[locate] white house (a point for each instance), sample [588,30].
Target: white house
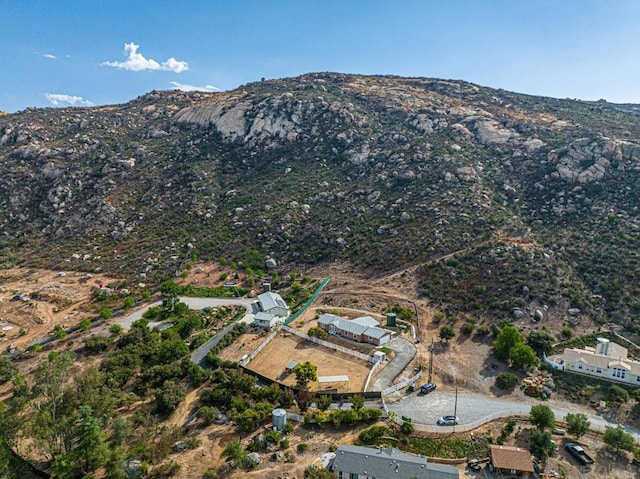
[266,320]
[368,463]
[273,303]
[607,361]
[364,329]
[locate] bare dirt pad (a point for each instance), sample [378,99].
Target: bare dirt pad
[283,349]
[64,298]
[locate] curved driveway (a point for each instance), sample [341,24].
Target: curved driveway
[426,409]
[405,352]
[195,303]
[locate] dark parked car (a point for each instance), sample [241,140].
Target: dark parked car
[578,453]
[427,388]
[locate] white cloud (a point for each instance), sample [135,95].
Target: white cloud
[49,55]
[59,99]
[185,87]
[137,62]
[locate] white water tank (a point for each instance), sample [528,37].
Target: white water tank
[279,419]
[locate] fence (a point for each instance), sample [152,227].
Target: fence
[401,384]
[293,317]
[295,417]
[375,366]
[464,427]
[327,344]
[552,364]
[255,352]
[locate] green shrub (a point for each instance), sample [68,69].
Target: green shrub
[507,381]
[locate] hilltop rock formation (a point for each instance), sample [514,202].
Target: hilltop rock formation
[378,171]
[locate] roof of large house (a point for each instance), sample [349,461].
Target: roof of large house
[390,462]
[270,300]
[605,355]
[512,458]
[363,325]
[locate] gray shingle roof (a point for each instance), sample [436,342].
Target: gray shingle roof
[271,300]
[390,462]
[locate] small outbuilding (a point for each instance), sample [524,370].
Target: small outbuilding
[265,320]
[511,461]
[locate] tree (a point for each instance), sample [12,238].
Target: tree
[116,464]
[541,444]
[447,332]
[234,452]
[577,424]
[542,417]
[617,438]
[91,448]
[128,303]
[506,381]
[617,395]
[106,313]
[357,402]
[170,291]
[7,369]
[540,342]
[506,339]
[522,357]
[305,372]
[85,324]
[169,396]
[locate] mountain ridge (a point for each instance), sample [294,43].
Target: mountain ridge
[378,171]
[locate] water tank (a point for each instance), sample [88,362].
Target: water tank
[391,319]
[279,419]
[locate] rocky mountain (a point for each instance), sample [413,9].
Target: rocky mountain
[505,200]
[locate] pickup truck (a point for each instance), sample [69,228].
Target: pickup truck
[576,451]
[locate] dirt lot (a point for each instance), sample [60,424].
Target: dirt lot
[286,347]
[49,299]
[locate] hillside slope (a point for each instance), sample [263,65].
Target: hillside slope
[529,200]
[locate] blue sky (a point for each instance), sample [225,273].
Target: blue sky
[87,52]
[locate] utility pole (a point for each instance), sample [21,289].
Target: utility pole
[431,360]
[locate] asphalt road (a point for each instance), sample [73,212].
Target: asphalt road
[426,409]
[405,351]
[200,354]
[196,303]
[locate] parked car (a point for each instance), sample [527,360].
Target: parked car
[448,421]
[427,388]
[579,454]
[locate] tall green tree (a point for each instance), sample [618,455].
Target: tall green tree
[447,333]
[542,417]
[506,339]
[522,357]
[617,438]
[91,448]
[577,424]
[540,341]
[541,444]
[305,372]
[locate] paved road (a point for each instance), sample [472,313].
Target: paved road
[195,303]
[405,352]
[198,356]
[426,409]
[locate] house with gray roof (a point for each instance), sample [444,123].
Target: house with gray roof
[363,330]
[272,303]
[370,463]
[607,360]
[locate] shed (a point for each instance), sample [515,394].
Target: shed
[511,460]
[265,320]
